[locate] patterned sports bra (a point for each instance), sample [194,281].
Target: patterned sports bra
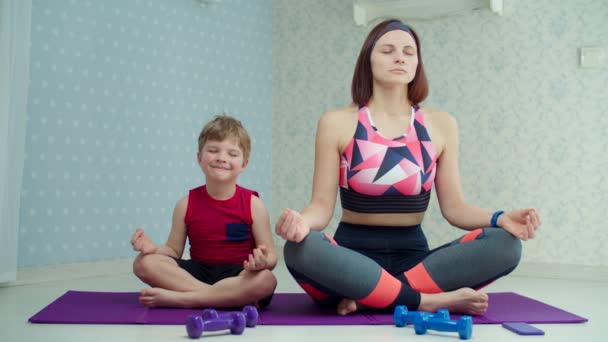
[382,175]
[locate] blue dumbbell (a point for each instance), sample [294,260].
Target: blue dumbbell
[403,317]
[250,312]
[195,325]
[464,326]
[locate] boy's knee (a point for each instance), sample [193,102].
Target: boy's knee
[264,284]
[141,266]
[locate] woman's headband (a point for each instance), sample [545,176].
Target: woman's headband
[392,26]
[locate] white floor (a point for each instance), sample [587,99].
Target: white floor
[38,287]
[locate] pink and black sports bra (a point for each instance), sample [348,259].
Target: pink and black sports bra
[382,175]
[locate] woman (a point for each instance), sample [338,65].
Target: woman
[384,153]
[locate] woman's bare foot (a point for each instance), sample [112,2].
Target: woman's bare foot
[464,300]
[157,297]
[347,306]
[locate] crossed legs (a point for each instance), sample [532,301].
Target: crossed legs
[172,286]
[447,278]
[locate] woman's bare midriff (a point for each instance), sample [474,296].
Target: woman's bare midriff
[396,220]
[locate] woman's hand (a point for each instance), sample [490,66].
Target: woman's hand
[522,223]
[291,226]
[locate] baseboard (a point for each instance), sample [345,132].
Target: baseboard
[50,273]
[562,271]
[42,274]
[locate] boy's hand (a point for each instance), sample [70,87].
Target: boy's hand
[258,259]
[142,243]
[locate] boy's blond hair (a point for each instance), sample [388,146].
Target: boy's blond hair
[224,126]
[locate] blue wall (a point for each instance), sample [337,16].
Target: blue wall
[119,92]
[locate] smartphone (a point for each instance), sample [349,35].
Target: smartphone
[522,328]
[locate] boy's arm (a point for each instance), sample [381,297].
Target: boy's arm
[262,233]
[177,237]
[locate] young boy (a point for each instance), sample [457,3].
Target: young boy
[231,246]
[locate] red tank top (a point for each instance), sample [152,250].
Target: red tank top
[219,231]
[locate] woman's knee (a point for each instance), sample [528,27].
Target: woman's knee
[509,246]
[304,252]
[288,251]
[293,256]
[293,250]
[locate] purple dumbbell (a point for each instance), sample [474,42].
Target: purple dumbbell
[464,326]
[196,325]
[250,312]
[403,317]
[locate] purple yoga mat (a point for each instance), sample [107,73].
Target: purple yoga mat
[511,307]
[75,307]
[300,309]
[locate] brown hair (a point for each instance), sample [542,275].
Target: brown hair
[362,86]
[224,126]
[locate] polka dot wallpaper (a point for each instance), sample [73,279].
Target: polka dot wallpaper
[119,91]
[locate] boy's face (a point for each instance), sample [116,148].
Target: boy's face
[221,160]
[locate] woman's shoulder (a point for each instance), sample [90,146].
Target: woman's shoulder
[341,113]
[339,117]
[438,118]
[441,125]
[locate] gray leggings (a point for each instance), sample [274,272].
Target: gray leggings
[381,267]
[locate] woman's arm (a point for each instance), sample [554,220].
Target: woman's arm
[320,209]
[522,223]
[447,181]
[294,226]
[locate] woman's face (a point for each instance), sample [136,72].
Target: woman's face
[394,58]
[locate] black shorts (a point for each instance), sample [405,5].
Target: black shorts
[211,273]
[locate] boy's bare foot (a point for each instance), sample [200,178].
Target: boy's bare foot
[157,297]
[347,306]
[464,300]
